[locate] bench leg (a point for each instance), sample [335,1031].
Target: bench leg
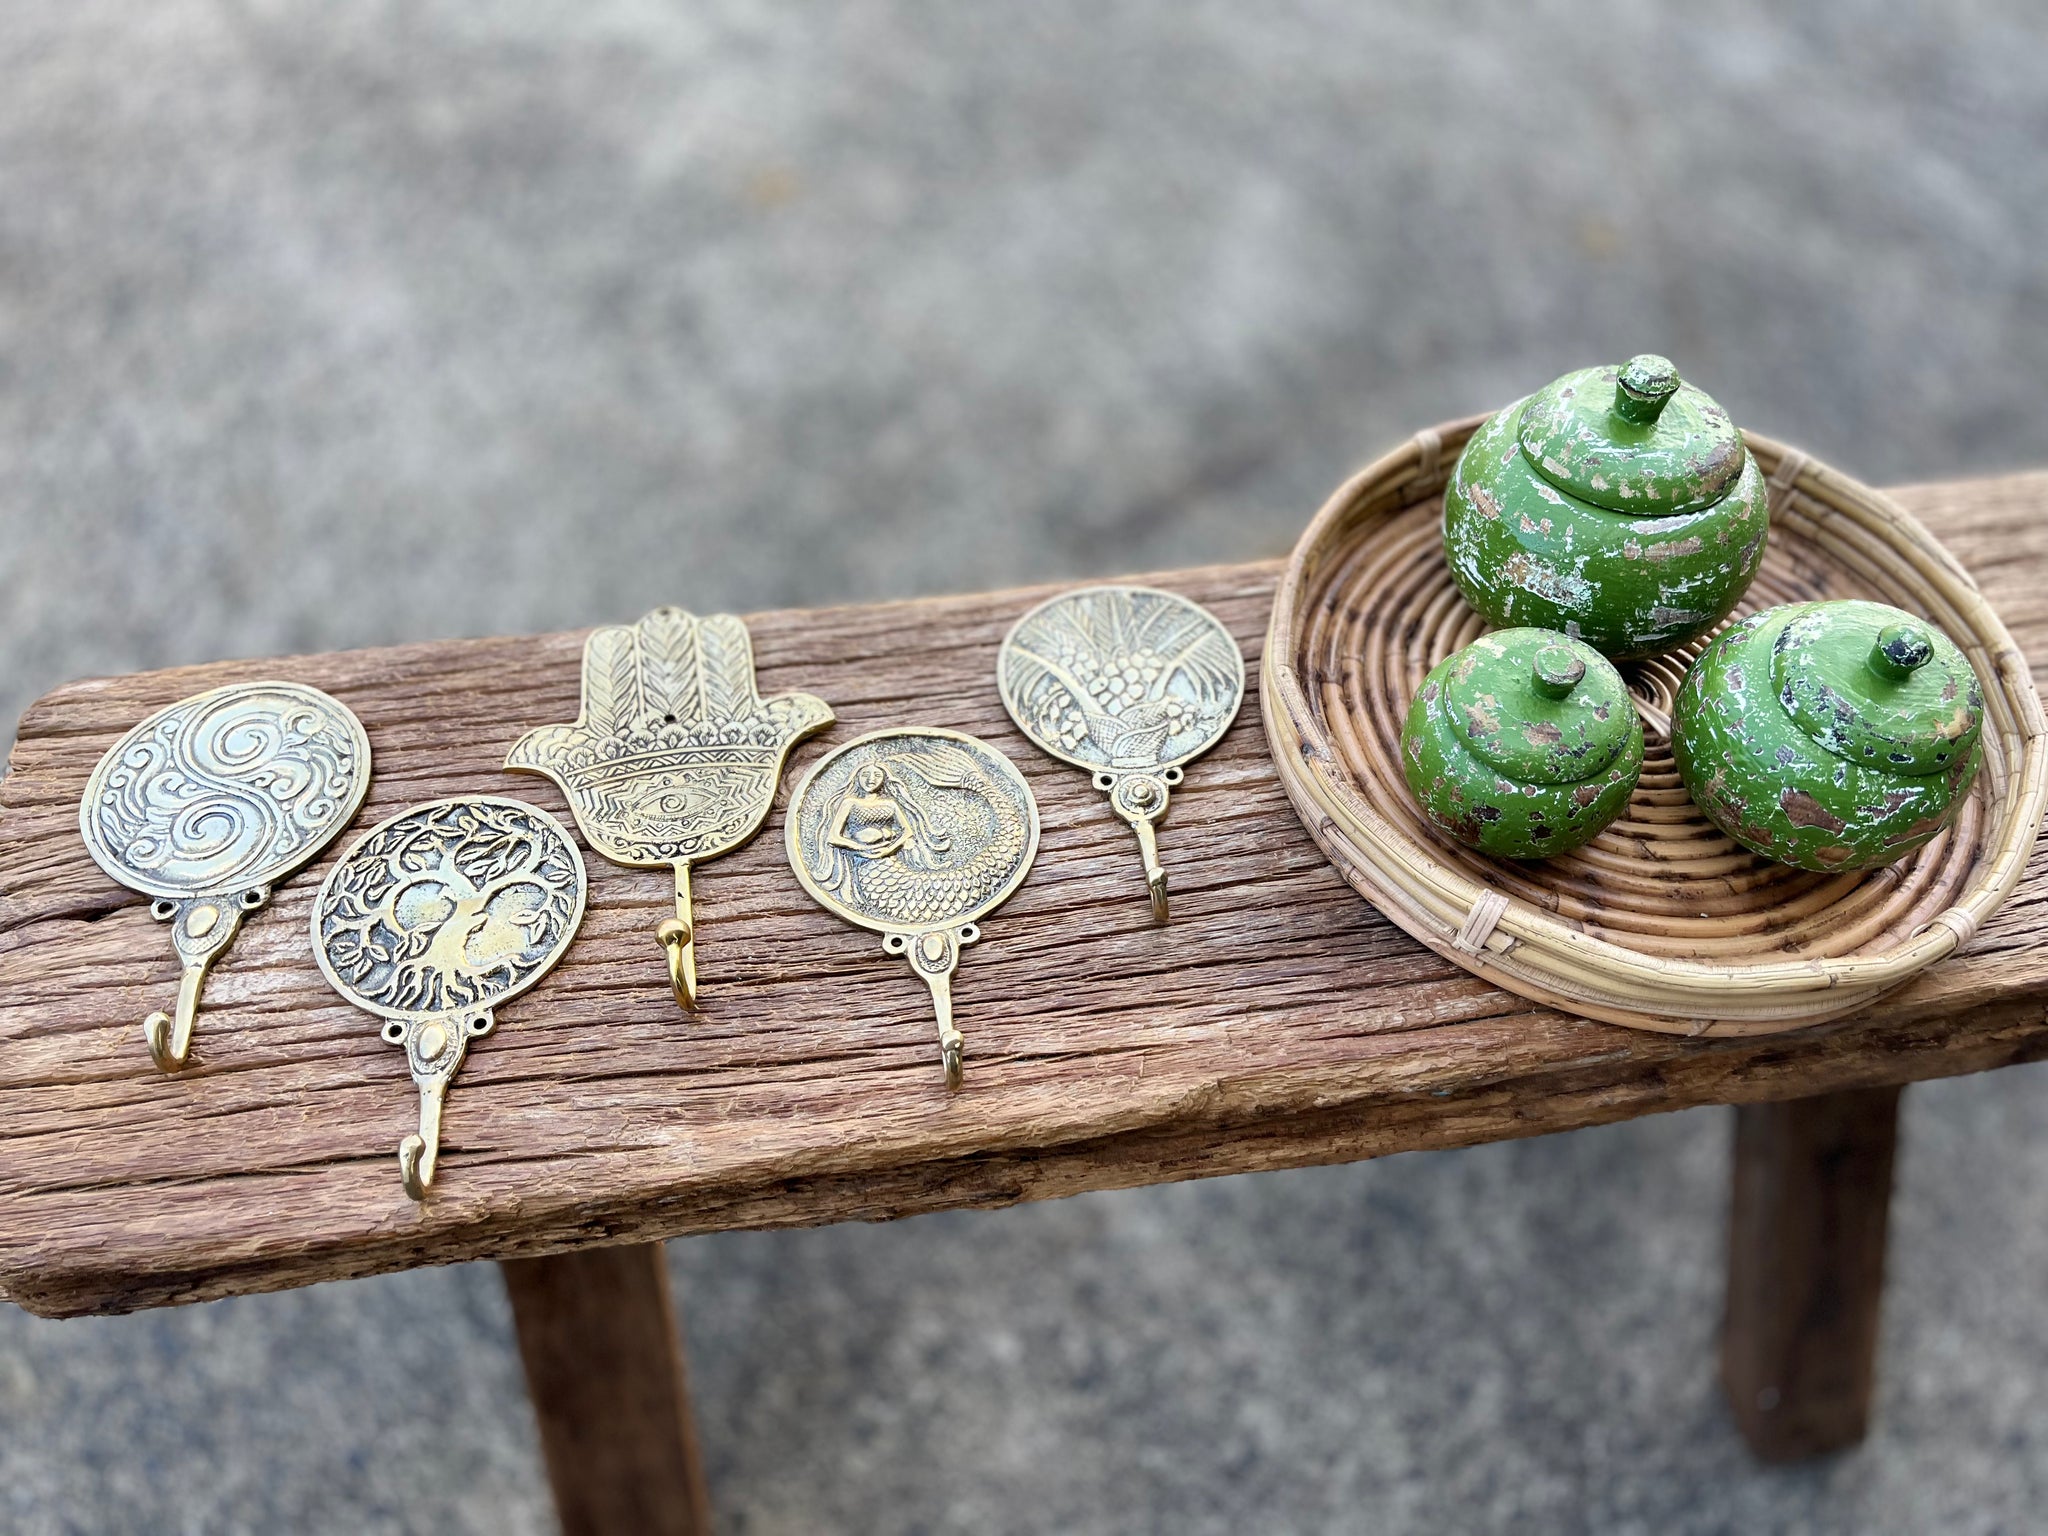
[1813,1186]
[604,1366]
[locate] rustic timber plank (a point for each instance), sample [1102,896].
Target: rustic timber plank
[1278,1021]
[1813,1194]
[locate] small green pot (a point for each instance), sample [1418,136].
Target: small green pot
[1523,744]
[1832,736]
[1618,505]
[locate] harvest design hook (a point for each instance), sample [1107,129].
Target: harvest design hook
[1130,683]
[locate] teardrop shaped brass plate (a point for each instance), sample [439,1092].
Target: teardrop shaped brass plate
[209,803]
[915,832]
[1131,683]
[434,919]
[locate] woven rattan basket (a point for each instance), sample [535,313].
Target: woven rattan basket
[1661,922]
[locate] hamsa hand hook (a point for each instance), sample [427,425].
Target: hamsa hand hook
[675,756]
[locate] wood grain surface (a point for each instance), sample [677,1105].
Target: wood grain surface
[1278,1021]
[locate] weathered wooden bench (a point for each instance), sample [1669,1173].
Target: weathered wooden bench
[1277,1022]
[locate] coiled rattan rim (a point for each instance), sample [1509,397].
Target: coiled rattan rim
[1661,923]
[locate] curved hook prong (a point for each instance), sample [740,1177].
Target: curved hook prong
[933,956]
[411,1152]
[1140,799]
[201,927]
[675,937]
[417,1152]
[678,935]
[170,1035]
[1155,872]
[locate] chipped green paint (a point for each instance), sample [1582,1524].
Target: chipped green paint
[1523,744]
[1833,736]
[1619,505]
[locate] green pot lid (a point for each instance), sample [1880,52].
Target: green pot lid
[1632,439]
[1877,686]
[1538,708]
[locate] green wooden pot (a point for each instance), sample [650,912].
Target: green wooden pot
[1832,736]
[1523,744]
[1618,505]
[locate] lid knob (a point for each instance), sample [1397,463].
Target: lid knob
[1646,383]
[1901,650]
[1556,672]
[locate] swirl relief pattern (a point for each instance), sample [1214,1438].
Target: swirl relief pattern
[227,790]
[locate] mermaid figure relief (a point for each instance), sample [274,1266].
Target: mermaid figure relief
[918,838]
[869,822]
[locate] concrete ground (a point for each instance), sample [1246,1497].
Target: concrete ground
[327,325]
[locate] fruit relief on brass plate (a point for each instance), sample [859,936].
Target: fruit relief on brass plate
[433,920]
[208,804]
[675,756]
[917,833]
[1131,683]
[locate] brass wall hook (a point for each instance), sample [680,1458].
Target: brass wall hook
[1140,799]
[675,935]
[208,803]
[1131,683]
[435,918]
[916,833]
[935,955]
[434,1048]
[675,756]
[201,930]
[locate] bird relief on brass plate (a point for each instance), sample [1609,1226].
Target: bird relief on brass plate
[917,833]
[209,803]
[1131,683]
[675,756]
[433,920]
